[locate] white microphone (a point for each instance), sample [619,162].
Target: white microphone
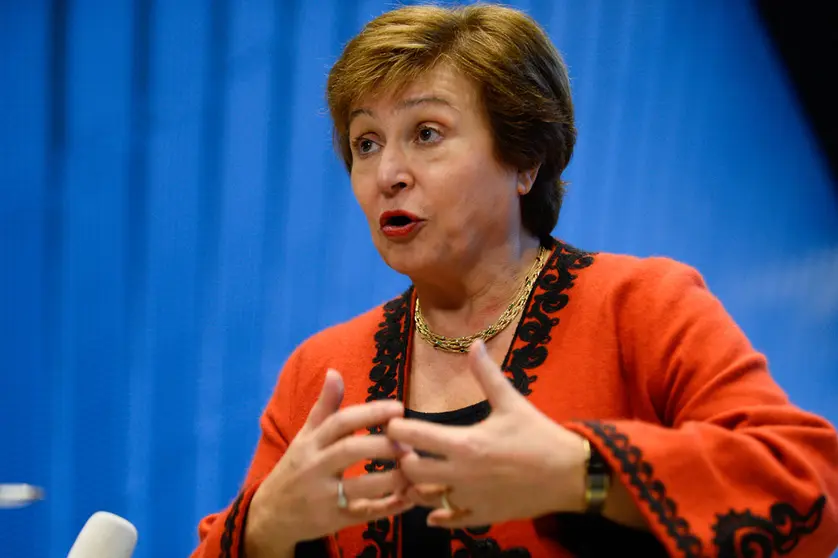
[105,535]
[19,495]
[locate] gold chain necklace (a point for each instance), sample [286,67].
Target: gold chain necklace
[462,344]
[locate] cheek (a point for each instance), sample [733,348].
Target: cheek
[364,191]
[476,186]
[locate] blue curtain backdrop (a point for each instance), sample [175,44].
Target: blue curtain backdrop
[173,222]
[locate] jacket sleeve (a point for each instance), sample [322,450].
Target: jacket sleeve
[729,467]
[221,534]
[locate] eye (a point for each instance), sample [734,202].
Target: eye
[364,146]
[426,134]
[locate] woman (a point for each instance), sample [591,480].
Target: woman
[607,405]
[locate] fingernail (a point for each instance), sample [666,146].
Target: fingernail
[335,374]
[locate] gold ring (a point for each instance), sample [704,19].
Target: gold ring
[451,508]
[445,503]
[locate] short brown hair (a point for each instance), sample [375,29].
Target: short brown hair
[522,79]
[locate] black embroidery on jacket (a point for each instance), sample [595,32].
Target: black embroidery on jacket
[548,297]
[742,534]
[483,547]
[387,374]
[387,377]
[651,490]
[230,528]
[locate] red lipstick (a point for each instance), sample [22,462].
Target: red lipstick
[399,224]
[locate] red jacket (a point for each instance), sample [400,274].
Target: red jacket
[637,356]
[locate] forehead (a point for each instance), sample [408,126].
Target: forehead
[443,82]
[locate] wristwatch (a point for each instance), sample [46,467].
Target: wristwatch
[597,479]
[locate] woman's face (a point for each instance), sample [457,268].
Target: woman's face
[426,177]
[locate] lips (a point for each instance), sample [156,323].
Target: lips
[397,218]
[399,224]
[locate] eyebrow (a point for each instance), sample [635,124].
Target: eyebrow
[406,104]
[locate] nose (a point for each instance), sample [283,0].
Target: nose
[393,171]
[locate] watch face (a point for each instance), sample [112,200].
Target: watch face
[597,483]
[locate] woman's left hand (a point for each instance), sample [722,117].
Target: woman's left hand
[516,464]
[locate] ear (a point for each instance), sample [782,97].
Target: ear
[526,179]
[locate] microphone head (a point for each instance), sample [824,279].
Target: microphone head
[105,535]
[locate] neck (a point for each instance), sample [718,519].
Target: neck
[465,299]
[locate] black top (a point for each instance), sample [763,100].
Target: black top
[419,540]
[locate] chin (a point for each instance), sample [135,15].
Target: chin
[407,259]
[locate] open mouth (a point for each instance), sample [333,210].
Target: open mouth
[399,223]
[397,219]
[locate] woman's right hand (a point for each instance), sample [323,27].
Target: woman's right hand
[298,500]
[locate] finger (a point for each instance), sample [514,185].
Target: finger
[328,403]
[438,439]
[375,485]
[352,449]
[357,417]
[496,386]
[364,509]
[450,519]
[428,470]
[426,495]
